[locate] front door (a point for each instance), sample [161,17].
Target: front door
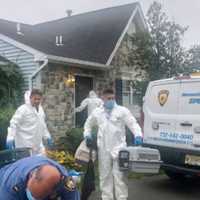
[82,89]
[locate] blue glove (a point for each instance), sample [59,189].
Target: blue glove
[10,144]
[138,140]
[76,176]
[88,141]
[74,173]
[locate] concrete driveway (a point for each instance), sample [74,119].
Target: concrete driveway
[160,188]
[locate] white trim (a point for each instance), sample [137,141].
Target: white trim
[137,9]
[38,55]
[36,72]
[78,63]
[142,17]
[84,75]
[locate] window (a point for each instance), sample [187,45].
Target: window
[129,96]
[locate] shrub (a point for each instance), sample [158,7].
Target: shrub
[71,141]
[10,84]
[5,116]
[74,138]
[64,158]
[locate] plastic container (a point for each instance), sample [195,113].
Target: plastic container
[140,160]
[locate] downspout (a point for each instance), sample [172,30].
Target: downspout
[36,72]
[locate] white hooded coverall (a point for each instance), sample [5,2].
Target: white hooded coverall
[110,138]
[92,102]
[28,128]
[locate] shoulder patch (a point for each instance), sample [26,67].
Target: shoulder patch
[70,184]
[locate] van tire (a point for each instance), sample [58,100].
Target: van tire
[175,175]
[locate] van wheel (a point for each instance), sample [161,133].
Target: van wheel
[175,175]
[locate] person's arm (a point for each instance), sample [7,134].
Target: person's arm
[46,135]
[83,105]
[64,191]
[100,102]
[132,124]
[65,194]
[14,123]
[89,124]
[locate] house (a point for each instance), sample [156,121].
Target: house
[68,57]
[3,61]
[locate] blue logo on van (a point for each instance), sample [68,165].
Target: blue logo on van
[194,101]
[191,94]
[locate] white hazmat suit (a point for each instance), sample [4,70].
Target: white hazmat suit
[91,102]
[110,138]
[28,127]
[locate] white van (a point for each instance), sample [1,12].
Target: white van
[172,124]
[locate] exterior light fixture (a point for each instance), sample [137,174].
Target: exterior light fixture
[70,81]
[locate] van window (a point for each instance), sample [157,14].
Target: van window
[190,97]
[163,98]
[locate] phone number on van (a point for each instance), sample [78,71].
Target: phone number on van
[176,137]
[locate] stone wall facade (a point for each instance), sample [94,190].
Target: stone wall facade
[59,99]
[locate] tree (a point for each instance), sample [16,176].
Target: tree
[192,60]
[141,52]
[10,84]
[158,50]
[168,54]
[141,57]
[10,90]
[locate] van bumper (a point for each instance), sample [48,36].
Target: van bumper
[174,159]
[181,169]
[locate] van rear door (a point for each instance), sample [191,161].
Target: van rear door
[160,112]
[188,121]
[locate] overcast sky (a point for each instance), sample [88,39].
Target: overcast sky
[184,12]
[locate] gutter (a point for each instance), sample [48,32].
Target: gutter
[78,63]
[36,72]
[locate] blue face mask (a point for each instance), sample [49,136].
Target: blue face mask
[29,195]
[109,104]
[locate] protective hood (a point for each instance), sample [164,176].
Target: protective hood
[27,97]
[92,94]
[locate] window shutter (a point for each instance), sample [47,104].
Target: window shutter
[118,91]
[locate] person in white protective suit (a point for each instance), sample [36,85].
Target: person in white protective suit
[111,120]
[91,102]
[27,126]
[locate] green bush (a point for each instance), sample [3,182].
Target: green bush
[71,141]
[74,138]
[5,116]
[10,84]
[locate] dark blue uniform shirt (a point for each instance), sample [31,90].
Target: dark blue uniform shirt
[13,179]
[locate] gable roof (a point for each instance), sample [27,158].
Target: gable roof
[90,36]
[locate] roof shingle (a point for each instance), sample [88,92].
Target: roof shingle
[90,36]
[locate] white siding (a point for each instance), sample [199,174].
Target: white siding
[23,59]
